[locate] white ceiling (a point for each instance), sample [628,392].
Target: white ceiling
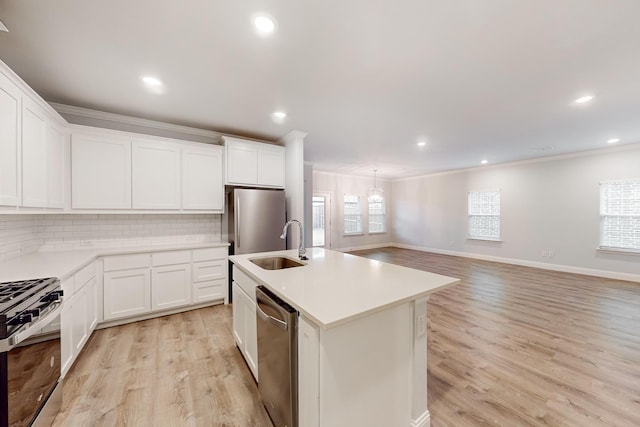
[366,79]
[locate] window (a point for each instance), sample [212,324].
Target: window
[376,215]
[620,214]
[352,215]
[484,215]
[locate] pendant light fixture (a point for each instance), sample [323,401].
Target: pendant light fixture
[376,194]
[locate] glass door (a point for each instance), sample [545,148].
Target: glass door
[321,204]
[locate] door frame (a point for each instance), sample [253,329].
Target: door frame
[327,217]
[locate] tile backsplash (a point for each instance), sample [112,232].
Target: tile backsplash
[21,234]
[18,236]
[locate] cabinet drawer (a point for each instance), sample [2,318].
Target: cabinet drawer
[126,262]
[245,282]
[209,270]
[171,258]
[209,254]
[83,276]
[209,291]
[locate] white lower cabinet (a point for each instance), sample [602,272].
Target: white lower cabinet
[245,327]
[170,286]
[239,320]
[251,337]
[127,293]
[91,301]
[140,284]
[79,314]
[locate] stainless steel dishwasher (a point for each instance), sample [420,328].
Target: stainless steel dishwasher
[277,358]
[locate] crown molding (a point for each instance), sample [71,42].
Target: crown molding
[135,121]
[576,154]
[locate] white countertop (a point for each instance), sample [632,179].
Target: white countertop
[62,264]
[334,288]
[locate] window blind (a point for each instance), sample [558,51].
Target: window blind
[376,216]
[484,214]
[620,214]
[352,214]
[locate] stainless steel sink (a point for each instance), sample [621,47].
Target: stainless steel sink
[276,263]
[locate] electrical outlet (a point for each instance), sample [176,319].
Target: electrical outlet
[421,325]
[85,243]
[543,254]
[550,253]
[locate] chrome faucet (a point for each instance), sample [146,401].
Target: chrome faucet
[301,250]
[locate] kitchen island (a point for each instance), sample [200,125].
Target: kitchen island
[362,343]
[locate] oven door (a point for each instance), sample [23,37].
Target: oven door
[33,372]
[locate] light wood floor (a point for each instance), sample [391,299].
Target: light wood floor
[509,346]
[178,370]
[517,346]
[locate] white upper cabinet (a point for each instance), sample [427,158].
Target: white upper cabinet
[9,142]
[271,167]
[155,175]
[57,147]
[100,172]
[34,155]
[242,161]
[254,163]
[202,186]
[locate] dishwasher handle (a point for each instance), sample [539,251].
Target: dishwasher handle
[264,316]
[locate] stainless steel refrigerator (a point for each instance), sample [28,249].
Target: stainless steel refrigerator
[255,221]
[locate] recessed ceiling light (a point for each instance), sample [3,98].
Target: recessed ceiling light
[484,162]
[421,143]
[583,99]
[613,140]
[278,116]
[264,24]
[151,81]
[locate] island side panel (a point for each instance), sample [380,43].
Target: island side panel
[308,373]
[366,370]
[419,412]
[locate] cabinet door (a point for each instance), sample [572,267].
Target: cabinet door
[79,321]
[271,166]
[10,136]
[251,337]
[92,305]
[155,175]
[202,184]
[170,286]
[34,155]
[56,155]
[127,293]
[100,172]
[239,319]
[242,162]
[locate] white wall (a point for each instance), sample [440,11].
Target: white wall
[545,205]
[23,234]
[339,185]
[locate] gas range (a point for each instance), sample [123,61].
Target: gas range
[24,302]
[30,352]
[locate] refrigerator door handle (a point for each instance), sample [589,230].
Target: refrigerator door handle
[237,216]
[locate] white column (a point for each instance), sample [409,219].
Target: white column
[294,181]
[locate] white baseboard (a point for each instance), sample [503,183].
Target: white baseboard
[363,247]
[543,265]
[423,420]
